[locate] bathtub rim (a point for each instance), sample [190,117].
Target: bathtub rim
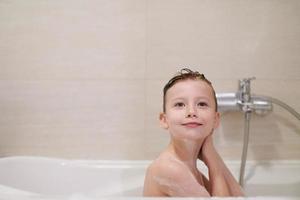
[133,163]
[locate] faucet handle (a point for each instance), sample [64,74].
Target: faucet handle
[244,84]
[248,79]
[244,91]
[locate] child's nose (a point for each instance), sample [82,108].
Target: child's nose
[191,112]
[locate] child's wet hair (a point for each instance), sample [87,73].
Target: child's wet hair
[185,74]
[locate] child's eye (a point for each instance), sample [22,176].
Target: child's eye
[202,104]
[179,104]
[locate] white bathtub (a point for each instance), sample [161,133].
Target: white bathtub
[33,177]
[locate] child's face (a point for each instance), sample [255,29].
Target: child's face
[190,110]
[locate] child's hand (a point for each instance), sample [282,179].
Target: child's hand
[207,149]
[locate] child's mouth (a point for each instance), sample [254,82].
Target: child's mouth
[192,124]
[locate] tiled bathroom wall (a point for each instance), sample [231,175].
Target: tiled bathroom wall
[83,79]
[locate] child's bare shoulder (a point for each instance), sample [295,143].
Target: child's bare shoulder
[167,166]
[162,176]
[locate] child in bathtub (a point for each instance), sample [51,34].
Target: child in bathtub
[190,115]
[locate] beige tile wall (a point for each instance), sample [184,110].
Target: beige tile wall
[83,79]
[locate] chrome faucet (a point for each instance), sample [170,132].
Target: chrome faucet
[243,100]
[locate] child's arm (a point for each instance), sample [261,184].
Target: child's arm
[222,182]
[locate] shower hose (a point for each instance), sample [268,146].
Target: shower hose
[246,130]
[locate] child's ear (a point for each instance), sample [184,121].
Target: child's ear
[163,121]
[217,120]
